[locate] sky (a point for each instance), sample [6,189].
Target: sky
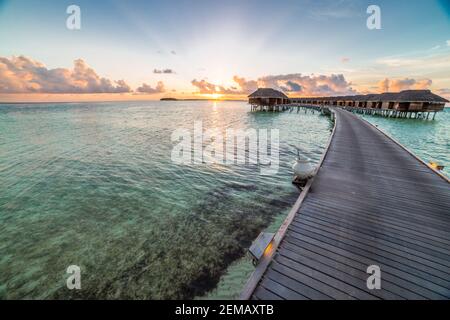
[132,50]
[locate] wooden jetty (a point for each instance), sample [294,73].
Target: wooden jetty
[371,203]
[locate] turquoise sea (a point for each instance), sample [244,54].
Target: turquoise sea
[93,185]
[429,140]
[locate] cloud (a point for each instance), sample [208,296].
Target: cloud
[448,43]
[164,52]
[383,85]
[165,71]
[445,92]
[309,85]
[147,89]
[246,86]
[345,59]
[296,83]
[395,85]
[243,86]
[206,87]
[418,62]
[24,75]
[341,9]
[398,62]
[291,87]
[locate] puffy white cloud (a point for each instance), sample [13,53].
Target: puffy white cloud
[24,75]
[147,89]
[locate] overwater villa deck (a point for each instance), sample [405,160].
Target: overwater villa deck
[371,203]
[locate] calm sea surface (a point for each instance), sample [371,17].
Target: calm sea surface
[93,185]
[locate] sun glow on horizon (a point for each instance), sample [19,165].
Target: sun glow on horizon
[214,96]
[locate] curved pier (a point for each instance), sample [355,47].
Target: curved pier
[372,203]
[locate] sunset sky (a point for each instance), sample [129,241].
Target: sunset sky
[129,50]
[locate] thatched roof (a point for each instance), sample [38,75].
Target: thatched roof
[403,96]
[407,96]
[268,93]
[419,95]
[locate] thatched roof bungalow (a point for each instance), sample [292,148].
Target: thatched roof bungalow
[407,100]
[267,97]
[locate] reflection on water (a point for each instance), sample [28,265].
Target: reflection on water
[93,185]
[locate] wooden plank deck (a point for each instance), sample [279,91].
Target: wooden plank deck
[371,203]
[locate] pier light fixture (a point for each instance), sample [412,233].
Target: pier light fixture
[436,166]
[261,246]
[303,171]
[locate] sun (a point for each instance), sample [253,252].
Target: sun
[216,96]
[213,96]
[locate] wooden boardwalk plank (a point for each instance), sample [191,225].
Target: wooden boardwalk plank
[385,240]
[375,243]
[419,277]
[383,231]
[371,203]
[291,283]
[348,275]
[402,279]
[344,264]
[378,253]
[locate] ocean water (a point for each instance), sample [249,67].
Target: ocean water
[93,185]
[429,140]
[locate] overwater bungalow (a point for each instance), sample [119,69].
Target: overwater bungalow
[405,101]
[402,104]
[268,99]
